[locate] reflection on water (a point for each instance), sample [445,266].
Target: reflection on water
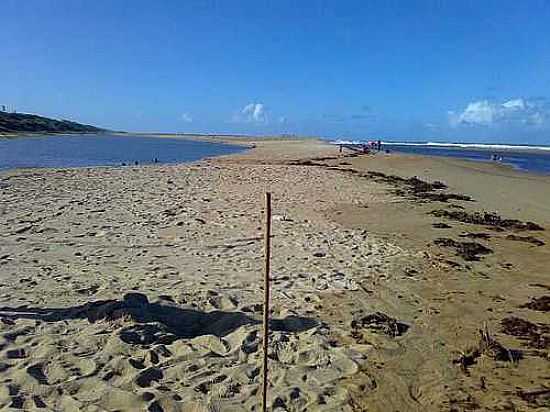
[103,150]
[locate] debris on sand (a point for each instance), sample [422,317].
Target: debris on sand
[541,304]
[442,197]
[417,188]
[531,333]
[415,183]
[487,219]
[306,163]
[518,327]
[469,251]
[539,397]
[418,185]
[527,239]
[496,350]
[441,225]
[468,358]
[479,235]
[488,346]
[412,187]
[314,161]
[380,322]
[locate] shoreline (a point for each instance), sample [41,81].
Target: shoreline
[251,141]
[237,141]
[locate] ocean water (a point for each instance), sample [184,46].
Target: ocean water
[103,150]
[535,159]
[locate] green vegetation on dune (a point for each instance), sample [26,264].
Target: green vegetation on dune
[22,122]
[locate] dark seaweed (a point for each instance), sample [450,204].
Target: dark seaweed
[469,251]
[486,219]
[531,333]
[541,304]
[381,322]
[527,239]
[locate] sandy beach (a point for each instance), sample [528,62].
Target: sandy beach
[140,288]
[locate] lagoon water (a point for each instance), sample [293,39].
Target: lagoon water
[526,158]
[102,150]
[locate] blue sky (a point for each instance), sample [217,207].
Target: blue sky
[415,70]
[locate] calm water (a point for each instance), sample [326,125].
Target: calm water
[102,150]
[536,161]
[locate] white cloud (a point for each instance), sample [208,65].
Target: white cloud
[481,112]
[252,113]
[513,112]
[515,104]
[186,117]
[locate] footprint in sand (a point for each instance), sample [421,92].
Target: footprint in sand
[206,386]
[19,353]
[137,363]
[38,402]
[61,370]
[148,376]
[37,372]
[250,343]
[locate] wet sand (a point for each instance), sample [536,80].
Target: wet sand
[139,288]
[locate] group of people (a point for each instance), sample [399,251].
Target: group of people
[368,147]
[136,163]
[375,145]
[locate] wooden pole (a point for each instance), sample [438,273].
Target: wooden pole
[267,254]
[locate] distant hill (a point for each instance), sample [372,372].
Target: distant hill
[22,122]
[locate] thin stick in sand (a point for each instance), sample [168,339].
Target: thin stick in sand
[266,296]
